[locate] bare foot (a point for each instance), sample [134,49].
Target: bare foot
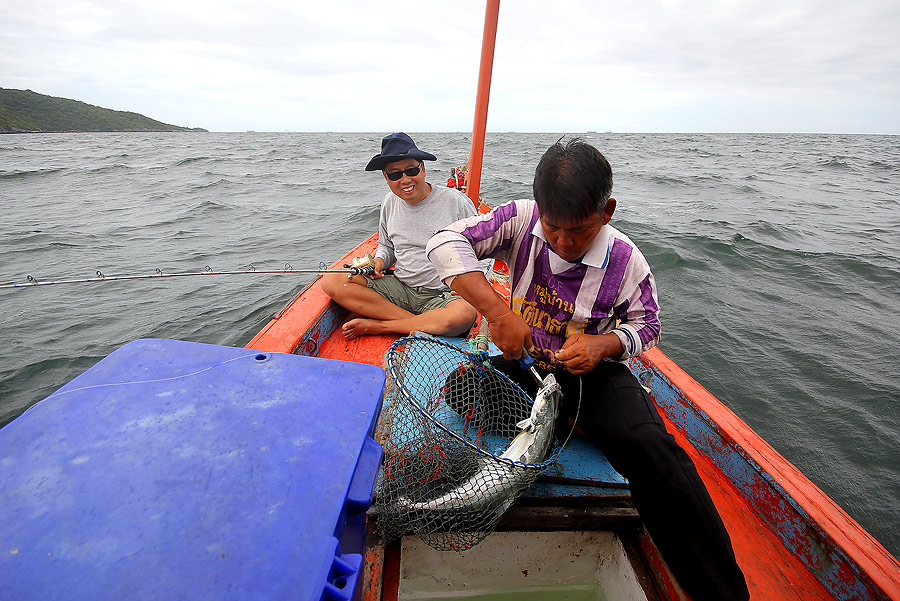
[361,327]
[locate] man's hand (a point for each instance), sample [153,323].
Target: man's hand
[510,333]
[581,352]
[378,265]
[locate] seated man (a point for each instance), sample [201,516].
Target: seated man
[414,299]
[583,300]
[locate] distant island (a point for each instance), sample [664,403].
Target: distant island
[24,111]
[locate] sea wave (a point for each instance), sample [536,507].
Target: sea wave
[17,174]
[191,161]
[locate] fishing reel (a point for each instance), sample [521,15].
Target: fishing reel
[364,265]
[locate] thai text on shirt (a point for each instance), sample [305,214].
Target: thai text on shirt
[611,289]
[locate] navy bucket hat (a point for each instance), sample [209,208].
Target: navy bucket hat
[396,147]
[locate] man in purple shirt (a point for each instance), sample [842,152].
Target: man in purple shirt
[583,300]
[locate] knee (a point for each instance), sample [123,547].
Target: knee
[333,284]
[461,318]
[655,452]
[645,441]
[464,313]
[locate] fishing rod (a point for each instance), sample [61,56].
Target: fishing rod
[361,266]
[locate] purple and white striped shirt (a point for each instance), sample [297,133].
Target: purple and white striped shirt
[557,299]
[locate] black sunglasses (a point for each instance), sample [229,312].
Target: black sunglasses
[396,175]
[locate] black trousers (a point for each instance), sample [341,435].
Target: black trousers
[617,415]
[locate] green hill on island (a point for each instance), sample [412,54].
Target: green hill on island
[24,111]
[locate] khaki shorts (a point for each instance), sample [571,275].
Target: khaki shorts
[414,299]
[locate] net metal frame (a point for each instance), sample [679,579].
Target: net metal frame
[443,477]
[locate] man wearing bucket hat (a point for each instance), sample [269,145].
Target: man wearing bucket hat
[415,298]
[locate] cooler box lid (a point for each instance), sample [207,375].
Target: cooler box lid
[178,470]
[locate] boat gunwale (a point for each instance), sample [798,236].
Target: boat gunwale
[853,550]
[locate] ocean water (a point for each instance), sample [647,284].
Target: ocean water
[777,258]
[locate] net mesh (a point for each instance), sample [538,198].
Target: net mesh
[452,461]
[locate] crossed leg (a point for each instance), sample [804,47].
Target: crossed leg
[381,316]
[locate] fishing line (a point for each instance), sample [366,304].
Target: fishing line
[258,355]
[350,270]
[561,446]
[579,481]
[575,420]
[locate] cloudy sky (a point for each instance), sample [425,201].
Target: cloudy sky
[560,65]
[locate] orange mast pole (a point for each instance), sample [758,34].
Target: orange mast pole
[481,100]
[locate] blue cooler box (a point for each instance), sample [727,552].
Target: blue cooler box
[176,470]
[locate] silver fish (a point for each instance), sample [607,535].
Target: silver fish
[494,483]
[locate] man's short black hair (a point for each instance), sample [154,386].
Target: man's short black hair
[572,181]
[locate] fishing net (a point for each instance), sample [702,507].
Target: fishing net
[451,465]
